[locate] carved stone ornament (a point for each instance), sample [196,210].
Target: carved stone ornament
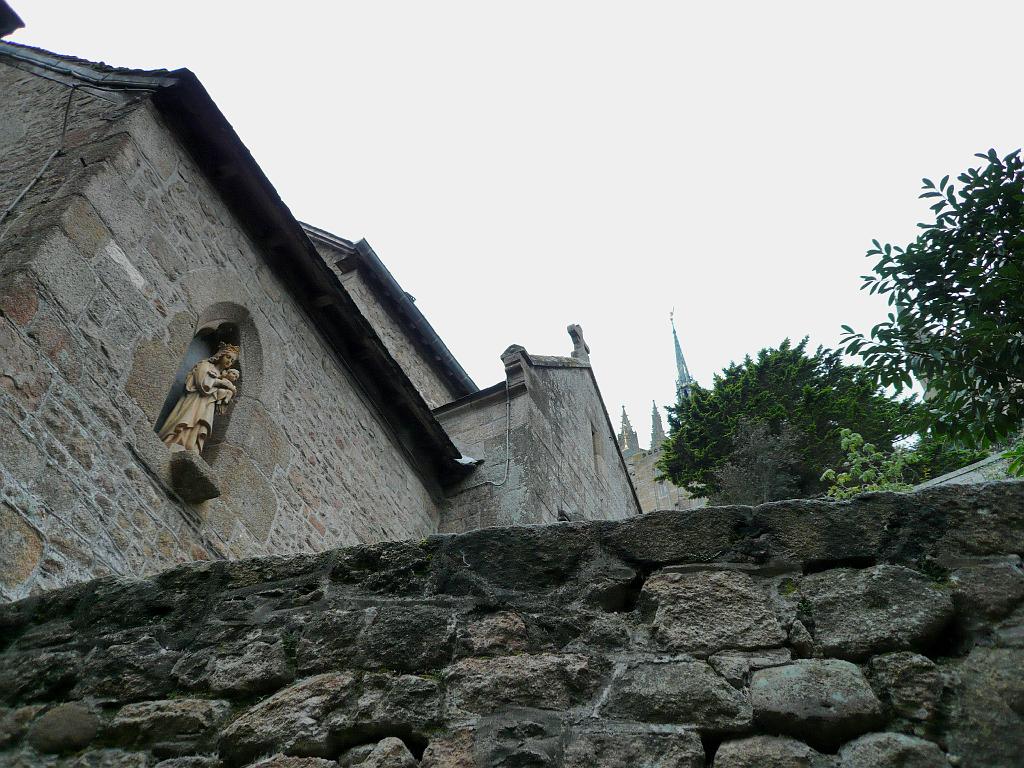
[209,387]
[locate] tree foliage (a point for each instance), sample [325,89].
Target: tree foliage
[762,467]
[865,468]
[935,455]
[816,394]
[957,294]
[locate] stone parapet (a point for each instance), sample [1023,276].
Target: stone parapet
[887,630]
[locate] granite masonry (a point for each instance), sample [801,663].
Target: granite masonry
[136,233]
[883,631]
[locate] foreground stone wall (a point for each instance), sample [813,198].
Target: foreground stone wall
[119,254]
[885,631]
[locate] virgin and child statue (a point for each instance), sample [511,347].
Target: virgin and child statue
[209,387]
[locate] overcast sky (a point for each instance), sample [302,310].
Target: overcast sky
[523,166]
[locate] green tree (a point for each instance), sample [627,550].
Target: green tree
[957,294]
[762,467]
[816,394]
[935,455]
[865,468]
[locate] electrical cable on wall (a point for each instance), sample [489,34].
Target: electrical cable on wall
[508,445]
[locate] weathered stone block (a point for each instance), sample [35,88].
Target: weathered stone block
[885,608]
[679,692]
[708,611]
[824,702]
[543,681]
[65,728]
[192,478]
[19,297]
[496,634]
[909,683]
[895,749]
[169,727]
[985,711]
[389,753]
[623,747]
[317,715]
[697,536]
[292,716]
[249,667]
[769,752]
[987,590]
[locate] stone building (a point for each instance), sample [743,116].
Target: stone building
[151,277]
[654,493]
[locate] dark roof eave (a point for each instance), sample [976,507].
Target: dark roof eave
[440,357]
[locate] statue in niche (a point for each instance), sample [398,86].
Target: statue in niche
[209,387]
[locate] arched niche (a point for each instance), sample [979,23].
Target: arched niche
[233,324]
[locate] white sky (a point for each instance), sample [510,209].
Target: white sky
[521,166]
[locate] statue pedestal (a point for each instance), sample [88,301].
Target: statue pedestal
[192,478]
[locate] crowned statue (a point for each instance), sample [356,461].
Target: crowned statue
[209,387]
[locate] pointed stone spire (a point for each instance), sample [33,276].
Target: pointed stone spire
[684,382]
[628,442]
[657,427]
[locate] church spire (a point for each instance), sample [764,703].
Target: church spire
[657,428]
[628,442]
[683,380]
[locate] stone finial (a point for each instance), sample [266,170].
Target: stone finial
[628,442]
[657,427]
[580,349]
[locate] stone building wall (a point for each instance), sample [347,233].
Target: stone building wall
[989,469]
[485,429]
[882,632]
[563,461]
[657,494]
[110,265]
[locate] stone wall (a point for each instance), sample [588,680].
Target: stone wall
[563,460]
[117,256]
[884,631]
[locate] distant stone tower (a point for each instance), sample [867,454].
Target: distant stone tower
[684,382]
[657,427]
[629,444]
[642,465]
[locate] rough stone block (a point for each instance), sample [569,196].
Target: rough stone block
[708,611]
[19,297]
[21,546]
[623,747]
[679,692]
[192,478]
[823,701]
[769,752]
[542,681]
[884,608]
[64,272]
[169,727]
[251,666]
[896,749]
[909,683]
[65,728]
[696,536]
[984,712]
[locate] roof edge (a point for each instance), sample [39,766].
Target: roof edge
[440,357]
